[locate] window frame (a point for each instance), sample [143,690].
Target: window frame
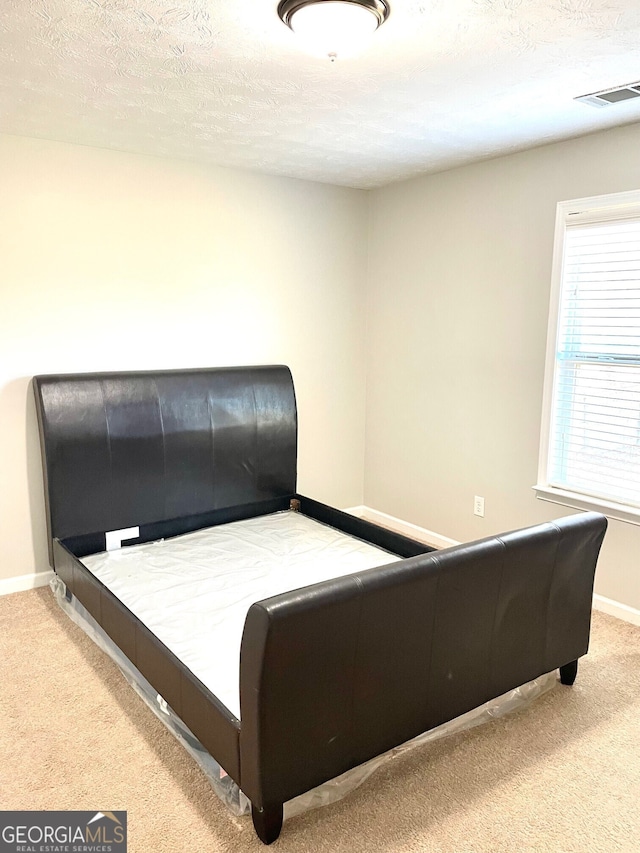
[590,210]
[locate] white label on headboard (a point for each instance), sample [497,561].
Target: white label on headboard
[115,538]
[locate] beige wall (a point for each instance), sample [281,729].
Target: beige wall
[460,270]
[114,261]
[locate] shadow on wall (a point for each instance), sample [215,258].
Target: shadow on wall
[17,397]
[35,486]
[22,504]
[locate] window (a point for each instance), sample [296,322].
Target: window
[590,448]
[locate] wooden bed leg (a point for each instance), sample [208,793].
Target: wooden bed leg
[568,672]
[267,822]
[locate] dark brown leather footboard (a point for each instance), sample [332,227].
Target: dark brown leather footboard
[335,674]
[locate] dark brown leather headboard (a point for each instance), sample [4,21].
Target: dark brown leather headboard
[129,449]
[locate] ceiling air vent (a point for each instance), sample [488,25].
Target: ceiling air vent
[611,96]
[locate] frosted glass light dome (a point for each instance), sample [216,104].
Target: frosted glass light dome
[334,28]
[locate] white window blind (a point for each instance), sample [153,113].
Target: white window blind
[593,442]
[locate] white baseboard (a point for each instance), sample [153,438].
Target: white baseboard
[604,605]
[614,608]
[421,534]
[24,582]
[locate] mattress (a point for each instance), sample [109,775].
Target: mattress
[193,591]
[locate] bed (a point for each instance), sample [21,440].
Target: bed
[348,641]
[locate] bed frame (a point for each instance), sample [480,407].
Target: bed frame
[332,674]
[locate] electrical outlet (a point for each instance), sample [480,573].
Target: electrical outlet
[478,506]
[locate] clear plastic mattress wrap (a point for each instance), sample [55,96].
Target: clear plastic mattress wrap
[193,591]
[329,792]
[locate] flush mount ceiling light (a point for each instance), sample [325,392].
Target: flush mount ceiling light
[334,27]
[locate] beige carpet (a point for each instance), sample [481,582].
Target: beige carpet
[562,775]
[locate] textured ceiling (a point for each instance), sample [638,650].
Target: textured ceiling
[444,82]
